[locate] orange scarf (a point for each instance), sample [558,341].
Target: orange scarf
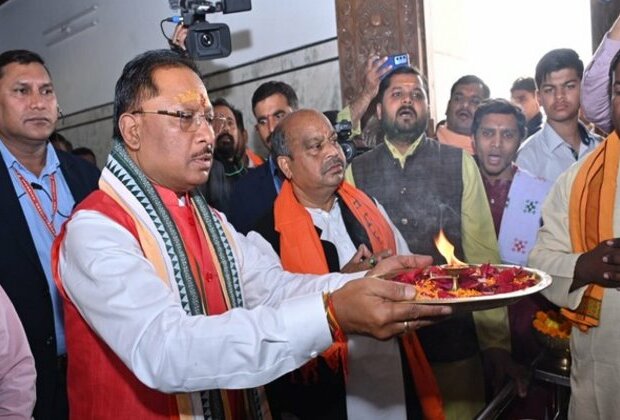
[301,251]
[254,160]
[590,217]
[451,138]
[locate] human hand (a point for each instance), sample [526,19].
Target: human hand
[399,262]
[373,74]
[600,265]
[499,365]
[382,308]
[364,260]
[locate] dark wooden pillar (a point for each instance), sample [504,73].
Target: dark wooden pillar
[604,13]
[380,27]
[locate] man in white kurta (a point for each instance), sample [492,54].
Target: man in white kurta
[595,370]
[305,146]
[169,309]
[595,346]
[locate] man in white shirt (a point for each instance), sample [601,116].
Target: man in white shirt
[178,312]
[563,139]
[332,221]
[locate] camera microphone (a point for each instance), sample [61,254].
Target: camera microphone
[36,186]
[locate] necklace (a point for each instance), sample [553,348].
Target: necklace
[235,172]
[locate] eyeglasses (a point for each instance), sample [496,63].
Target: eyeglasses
[189,121]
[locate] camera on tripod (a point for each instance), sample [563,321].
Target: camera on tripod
[206,41]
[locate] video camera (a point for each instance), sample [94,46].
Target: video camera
[344,129]
[206,41]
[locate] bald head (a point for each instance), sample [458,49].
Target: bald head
[290,126]
[305,145]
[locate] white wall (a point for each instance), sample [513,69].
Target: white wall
[499,40]
[86,66]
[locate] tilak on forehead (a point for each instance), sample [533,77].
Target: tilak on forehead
[192,96]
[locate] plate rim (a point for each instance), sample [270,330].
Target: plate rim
[545,281]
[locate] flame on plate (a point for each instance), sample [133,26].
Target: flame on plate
[447,250]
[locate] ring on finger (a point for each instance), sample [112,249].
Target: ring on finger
[406,327]
[372,261]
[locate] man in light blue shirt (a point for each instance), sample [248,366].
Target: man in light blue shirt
[38,188]
[563,139]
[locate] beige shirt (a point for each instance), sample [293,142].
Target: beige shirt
[595,372]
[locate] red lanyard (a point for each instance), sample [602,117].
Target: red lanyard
[37,204]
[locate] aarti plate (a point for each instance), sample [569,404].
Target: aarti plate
[490,301]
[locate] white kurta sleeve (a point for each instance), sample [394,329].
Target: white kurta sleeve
[120,296]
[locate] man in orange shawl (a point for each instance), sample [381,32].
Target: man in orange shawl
[321,224]
[579,245]
[466,95]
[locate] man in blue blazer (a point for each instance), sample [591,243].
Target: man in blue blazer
[38,189]
[254,194]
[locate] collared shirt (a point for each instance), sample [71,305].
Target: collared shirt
[275,174]
[334,230]
[546,155]
[364,399]
[41,236]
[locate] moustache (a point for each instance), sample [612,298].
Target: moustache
[224,136]
[465,113]
[208,150]
[406,108]
[331,163]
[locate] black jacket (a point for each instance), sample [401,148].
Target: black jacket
[252,196]
[23,279]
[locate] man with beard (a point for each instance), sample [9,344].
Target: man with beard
[229,131]
[339,228]
[426,186]
[465,96]
[563,139]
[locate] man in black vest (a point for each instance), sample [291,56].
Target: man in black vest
[426,186]
[38,188]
